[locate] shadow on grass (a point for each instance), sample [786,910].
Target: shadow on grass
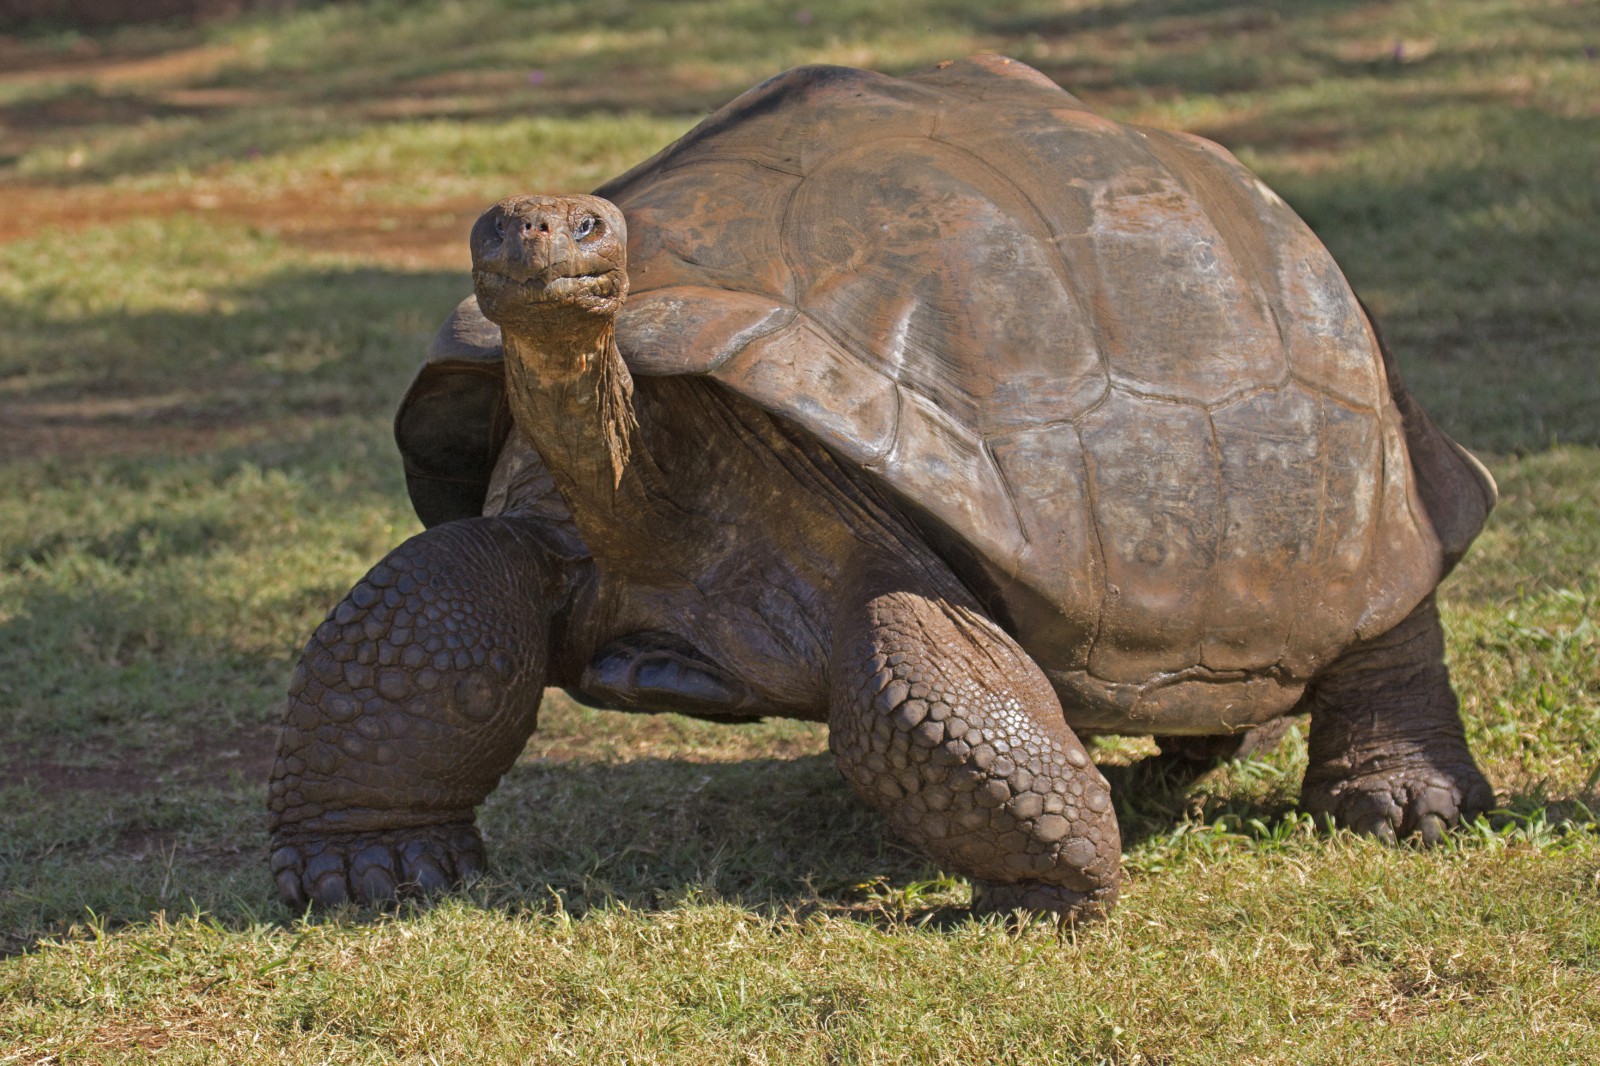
[1479,271]
[782,837]
[327,74]
[1148,16]
[776,833]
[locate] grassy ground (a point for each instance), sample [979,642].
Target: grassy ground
[222,249]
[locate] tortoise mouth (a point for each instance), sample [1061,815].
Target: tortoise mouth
[559,283]
[503,295]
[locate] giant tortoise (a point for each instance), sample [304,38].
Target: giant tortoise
[939,409]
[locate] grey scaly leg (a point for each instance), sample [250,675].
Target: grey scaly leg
[943,724]
[410,701]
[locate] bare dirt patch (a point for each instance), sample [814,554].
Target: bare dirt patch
[247,752]
[86,64]
[51,778]
[26,436]
[327,218]
[212,760]
[117,425]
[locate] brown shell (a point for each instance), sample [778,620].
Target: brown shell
[1117,380]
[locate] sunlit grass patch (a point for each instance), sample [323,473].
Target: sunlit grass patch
[1326,949]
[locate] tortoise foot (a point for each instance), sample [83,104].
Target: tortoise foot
[375,868]
[1422,802]
[1388,754]
[1037,897]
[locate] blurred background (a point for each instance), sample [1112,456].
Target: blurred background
[1444,150]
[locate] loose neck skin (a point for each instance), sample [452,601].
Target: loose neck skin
[571,393]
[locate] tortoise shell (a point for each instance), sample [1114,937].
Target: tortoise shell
[1113,377]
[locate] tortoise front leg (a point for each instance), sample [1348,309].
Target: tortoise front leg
[944,724]
[410,701]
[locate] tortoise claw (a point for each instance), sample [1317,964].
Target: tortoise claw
[427,867]
[1398,806]
[1374,824]
[372,871]
[286,868]
[376,868]
[324,879]
[1431,828]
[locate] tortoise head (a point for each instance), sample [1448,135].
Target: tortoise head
[537,255]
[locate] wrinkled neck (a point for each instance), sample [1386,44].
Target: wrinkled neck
[571,393]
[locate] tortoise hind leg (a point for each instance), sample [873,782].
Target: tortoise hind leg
[1387,752]
[944,725]
[410,701]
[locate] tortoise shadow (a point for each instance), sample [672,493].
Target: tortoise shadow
[780,837]
[786,838]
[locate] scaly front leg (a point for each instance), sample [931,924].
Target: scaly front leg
[410,701]
[944,724]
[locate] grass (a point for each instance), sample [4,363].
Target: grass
[224,247]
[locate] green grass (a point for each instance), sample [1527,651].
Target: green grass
[238,239]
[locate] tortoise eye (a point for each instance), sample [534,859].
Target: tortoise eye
[586,227]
